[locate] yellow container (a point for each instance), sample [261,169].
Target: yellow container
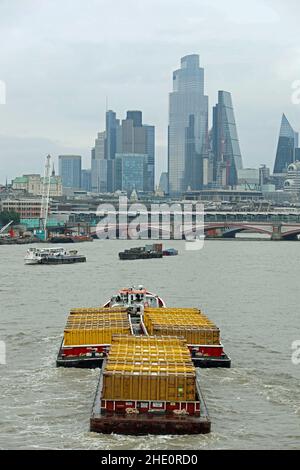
[149,368]
[87,336]
[97,310]
[149,386]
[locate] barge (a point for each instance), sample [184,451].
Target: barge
[87,339]
[142,252]
[36,256]
[147,252]
[148,385]
[70,239]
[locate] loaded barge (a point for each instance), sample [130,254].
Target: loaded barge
[142,252]
[148,385]
[147,252]
[136,311]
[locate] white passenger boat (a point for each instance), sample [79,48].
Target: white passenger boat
[52,256]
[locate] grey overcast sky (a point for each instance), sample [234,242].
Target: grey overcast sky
[60,59]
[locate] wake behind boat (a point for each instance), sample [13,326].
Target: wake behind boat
[52,256]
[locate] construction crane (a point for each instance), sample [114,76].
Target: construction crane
[46,195]
[2,230]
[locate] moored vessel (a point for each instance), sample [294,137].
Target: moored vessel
[35,256]
[142,252]
[70,239]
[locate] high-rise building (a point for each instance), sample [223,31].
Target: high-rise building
[163,183]
[225,143]
[86,182]
[188,127]
[112,124]
[150,151]
[99,165]
[287,143]
[129,137]
[70,170]
[131,171]
[264,175]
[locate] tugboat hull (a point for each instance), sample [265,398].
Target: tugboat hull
[206,362]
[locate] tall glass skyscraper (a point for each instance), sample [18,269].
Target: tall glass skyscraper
[287,143]
[225,142]
[99,165]
[70,170]
[188,127]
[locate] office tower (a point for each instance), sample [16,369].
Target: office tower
[99,165]
[131,171]
[225,142]
[70,170]
[287,143]
[264,175]
[112,124]
[163,183]
[86,183]
[150,151]
[188,127]
[129,137]
[134,137]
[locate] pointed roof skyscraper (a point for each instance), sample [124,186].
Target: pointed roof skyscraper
[287,142]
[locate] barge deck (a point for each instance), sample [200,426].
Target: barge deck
[138,424]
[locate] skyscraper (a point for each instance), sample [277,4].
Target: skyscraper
[188,127]
[150,151]
[99,165]
[129,137]
[86,180]
[287,143]
[112,124]
[131,171]
[225,142]
[70,170]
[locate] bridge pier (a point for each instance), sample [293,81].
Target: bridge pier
[276,234]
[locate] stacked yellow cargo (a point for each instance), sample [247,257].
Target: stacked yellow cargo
[91,328]
[97,310]
[149,368]
[189,323]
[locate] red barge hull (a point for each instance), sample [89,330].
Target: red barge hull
[92,357]
[109,416]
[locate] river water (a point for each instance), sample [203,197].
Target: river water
[249,288]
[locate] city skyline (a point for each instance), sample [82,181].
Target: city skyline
[57,107]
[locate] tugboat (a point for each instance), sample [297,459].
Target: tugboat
[135,298]
[52,256]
